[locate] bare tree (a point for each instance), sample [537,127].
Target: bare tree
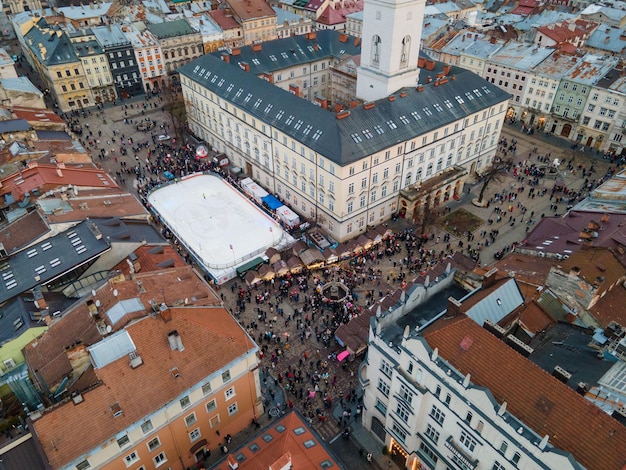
[497,170]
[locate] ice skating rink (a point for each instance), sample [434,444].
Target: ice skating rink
[215,221]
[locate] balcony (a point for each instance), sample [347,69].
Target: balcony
[459,456]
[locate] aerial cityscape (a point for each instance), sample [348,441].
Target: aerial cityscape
[313,234]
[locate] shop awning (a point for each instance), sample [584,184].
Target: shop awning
[272,202]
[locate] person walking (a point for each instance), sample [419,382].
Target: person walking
[369,457]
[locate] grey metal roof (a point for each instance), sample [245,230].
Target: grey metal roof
[15,319]
[22,84]
[123,308]
[56,44]
[110,35]
[364,131]
[111,349]
[49,259]
[607,38]
[498,304]
[294,50]
[128,231]
[567,346]
[53,135]
[14,125]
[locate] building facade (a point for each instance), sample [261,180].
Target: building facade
[189,394]
[180,44]
[148,55]
[96,66]
[344,170]
[122,62]
[431,400]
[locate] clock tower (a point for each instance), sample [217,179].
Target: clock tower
[392,31]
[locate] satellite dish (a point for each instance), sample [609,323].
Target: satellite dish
[93,292]
[98,303]
[109,329]
[115,292]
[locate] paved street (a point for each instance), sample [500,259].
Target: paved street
[299,368]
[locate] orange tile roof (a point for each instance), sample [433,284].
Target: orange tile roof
[46,354]
[150,256]
[247,10]
[611,307]
[62,430]
[284,445]
[539,400]
[594,263]
[531,317]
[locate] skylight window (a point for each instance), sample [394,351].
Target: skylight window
[230,87]
[255,61]
[284,55]
[427,112]
[307,129]
[280,114]
[221,82]
[486,90]
[367,133]
[447,103]
[469,95]
[317,134]
[247,98]
[273,58]
[379,130]
[477,92]
[239,92]
[202,70]
[195,70]
[289,119]
[404,119]
[268,108]
[214,79]
[298,124]
[356,137]
[459,99]
[437,107]
[416,116]
[391,124]
[258,102]
[311,49]
[207,74]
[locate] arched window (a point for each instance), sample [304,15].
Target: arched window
[449,161]
[376,50]
[404,56]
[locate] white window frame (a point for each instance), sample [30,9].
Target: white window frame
[159,459]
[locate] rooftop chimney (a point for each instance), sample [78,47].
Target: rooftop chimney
[176,343]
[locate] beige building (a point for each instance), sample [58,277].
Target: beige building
[180,44]
[95,64]
[343,80]
[257,19]
[54,58]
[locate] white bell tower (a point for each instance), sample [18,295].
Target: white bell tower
[392,31]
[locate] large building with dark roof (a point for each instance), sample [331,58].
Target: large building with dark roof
[346,170]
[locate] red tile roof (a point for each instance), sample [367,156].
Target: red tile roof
[62,430]
[36,115]
[539,400]
[595,264]
[45,177]
[150,256]
[284,445]
[337,15]
[567,31]
[224,19]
